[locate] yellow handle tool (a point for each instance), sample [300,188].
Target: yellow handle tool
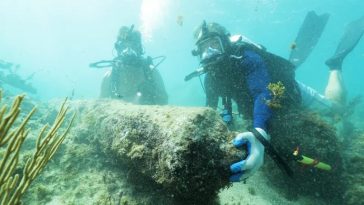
[310,162]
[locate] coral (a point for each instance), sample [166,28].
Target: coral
[43,193]
[277,92]
[12,136]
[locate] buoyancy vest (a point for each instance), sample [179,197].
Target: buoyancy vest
[147,87]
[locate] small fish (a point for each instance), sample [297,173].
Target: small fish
[293,46]
[179,20]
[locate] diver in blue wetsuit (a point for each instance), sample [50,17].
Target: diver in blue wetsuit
[241,71]
[238,70]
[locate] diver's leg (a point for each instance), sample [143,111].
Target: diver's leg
[312,98]
[106,86]
[335,90]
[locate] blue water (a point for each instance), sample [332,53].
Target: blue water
[58,39]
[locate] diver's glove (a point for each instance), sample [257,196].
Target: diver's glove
[255,157]
[226,116]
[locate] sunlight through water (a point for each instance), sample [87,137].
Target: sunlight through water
[152,16]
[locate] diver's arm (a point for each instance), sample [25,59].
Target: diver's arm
[161,93]
[105,90]
[212,98]
[257,80]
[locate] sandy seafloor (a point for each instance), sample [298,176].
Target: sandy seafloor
[256,191]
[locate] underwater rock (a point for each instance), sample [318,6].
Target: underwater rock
[119,153]
[354,165]
[183,151]
[316,139]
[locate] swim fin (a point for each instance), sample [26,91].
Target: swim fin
[351,37]
[307,37]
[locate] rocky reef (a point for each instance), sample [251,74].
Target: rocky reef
[354,166]
[120,153]
[145,154]
[313,137]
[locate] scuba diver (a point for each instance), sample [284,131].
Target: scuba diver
[262,84]
[6,65]
[133,77]
[9,76]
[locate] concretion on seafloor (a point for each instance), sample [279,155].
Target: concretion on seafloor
[316,139]
[119,153]
[182,150]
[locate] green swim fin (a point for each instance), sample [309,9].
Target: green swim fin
[350,39]
[307,37]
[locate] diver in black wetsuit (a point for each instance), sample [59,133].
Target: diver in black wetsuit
[133,78]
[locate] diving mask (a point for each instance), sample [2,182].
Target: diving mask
[128,52]
[125,48]
[210,50]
